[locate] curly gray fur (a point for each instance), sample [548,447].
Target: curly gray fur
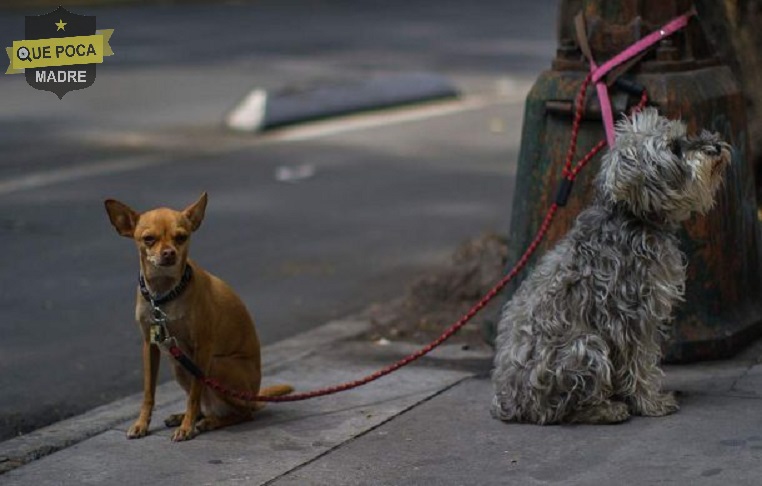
[580,340]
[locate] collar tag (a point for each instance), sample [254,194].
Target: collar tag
[157,334]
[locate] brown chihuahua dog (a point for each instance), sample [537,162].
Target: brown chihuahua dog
[177,300]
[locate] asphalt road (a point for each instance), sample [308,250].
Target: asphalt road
[391,195]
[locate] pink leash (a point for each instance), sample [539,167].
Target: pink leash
[599,72]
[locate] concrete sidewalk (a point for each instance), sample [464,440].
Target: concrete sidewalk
[426,424]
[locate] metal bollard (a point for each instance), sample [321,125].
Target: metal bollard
[685,79]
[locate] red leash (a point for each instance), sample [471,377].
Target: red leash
[569,174]
[564,190]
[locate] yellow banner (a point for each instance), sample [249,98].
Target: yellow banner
[59,51]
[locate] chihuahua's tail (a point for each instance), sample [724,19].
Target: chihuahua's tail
[276,390]
[270,391]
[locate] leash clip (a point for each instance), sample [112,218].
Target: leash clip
[159,316]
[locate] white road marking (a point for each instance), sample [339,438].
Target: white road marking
[40,179]
[365,121]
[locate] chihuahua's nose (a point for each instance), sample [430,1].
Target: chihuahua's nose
[168,253]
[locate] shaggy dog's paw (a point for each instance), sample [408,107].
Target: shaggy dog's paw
[657,406]
[618,412]
[139,429]
[498,411]
[608,412]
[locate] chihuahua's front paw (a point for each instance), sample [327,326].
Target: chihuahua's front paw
[139,429]
[183,433]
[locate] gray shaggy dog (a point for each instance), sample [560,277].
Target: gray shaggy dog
[579,341]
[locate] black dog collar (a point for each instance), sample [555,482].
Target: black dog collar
[169,296]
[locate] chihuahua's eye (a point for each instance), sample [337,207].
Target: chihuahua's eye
[149,240]
[676,149]
[180,239]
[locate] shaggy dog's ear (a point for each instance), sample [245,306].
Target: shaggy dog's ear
[622,172]
[621,179]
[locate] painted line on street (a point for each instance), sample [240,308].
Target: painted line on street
[354,123]
[46,178]
[316,130]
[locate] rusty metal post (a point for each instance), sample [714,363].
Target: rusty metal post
[685,79]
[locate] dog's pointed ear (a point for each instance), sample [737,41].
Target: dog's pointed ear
[123,217]
[195,212]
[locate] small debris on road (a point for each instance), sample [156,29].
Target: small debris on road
[295,173]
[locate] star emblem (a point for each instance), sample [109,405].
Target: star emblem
[60,24]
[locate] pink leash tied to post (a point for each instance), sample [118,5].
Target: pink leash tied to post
[634,50]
